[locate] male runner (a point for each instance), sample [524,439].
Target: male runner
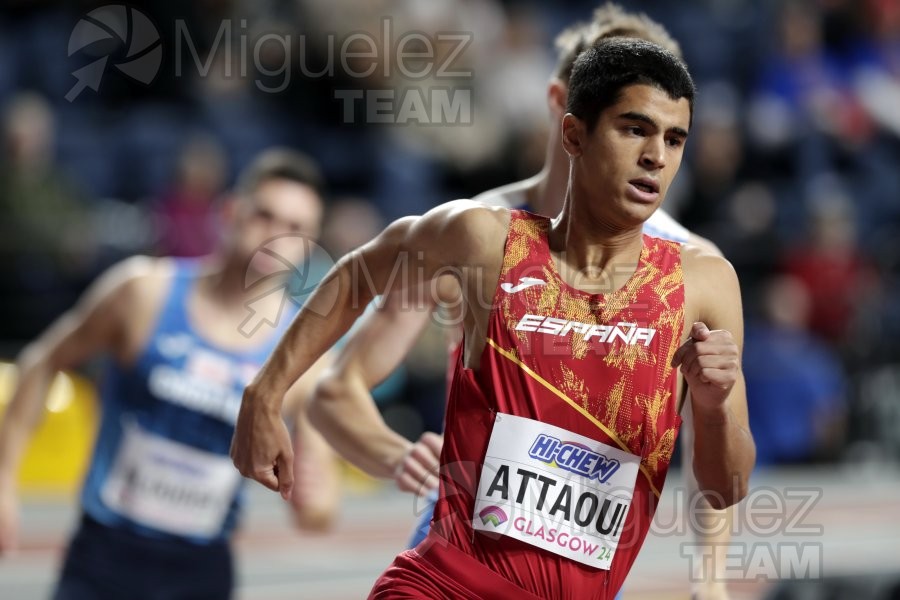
[161,496]
[564,407]
[383,337]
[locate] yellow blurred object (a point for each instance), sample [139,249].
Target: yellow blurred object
[358,482]
[59,452]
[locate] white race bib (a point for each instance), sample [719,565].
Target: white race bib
[555,489]
[170,486]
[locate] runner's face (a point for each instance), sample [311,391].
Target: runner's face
[286,210]
[624,167]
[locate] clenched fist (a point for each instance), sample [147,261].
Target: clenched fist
[710,362]
[261,447]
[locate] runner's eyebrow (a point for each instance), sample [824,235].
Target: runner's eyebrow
[641,117]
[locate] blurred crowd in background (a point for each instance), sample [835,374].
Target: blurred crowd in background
[792,169]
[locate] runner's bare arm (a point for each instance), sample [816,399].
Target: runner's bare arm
[375,349]
[93,326]
[452,235]
[724,452]
[317,477]
[711,528]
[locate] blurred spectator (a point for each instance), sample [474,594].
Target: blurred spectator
[747,236]
[805,93]
[350,223]
[717,153]
[877,69]
[186,214]
[829,264]
[46,247]
[795,384]
[525,66]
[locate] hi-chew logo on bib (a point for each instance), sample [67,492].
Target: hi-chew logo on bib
[574,457]
[555,489]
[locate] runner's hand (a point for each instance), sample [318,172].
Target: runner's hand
[261,446]
[710,363]
[417,471]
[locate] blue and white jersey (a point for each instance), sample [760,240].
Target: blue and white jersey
[662,225]
[161,466]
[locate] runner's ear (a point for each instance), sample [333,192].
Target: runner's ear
[573,131]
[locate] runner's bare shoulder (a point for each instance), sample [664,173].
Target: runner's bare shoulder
[708,277]
[704,258]
[465,227]
[130,292]
[140,279]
